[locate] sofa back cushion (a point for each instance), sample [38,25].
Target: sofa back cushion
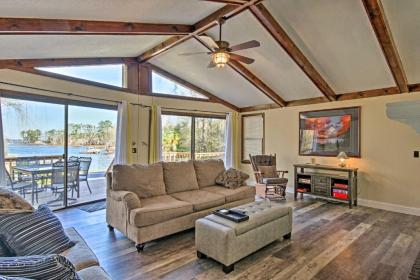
[179,176]
[207,171]
[143,180]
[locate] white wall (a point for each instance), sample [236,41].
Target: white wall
[389,174]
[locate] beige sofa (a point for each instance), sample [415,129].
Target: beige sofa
[147,202]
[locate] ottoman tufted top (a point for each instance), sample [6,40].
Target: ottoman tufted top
[259,212]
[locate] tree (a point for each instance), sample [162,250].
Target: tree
[30,136]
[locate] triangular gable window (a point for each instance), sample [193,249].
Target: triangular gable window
[105,74]
[164,85]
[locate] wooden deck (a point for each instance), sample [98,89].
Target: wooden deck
[329,241]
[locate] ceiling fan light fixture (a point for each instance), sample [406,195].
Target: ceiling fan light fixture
[220,59]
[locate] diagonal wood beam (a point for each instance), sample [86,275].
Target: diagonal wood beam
[210,96]
[56,62]
[280,35]
[383,33]
[199,27]
[250,77]
[230,2]
[17,26]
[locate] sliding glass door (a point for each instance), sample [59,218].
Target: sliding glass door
[57,154]
[186,137]
[91,142]
[34,137]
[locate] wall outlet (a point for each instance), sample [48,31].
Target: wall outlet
[416,154]
[134,150]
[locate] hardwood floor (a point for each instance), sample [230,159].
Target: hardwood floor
[329,241]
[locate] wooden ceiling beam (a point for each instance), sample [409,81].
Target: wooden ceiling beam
[25,26]
[280,35]
[383,33]
[250,77]
[199,27]
[211,97]
[340,97]
[230,2]
[56,62]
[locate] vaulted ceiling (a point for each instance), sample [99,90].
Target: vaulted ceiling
[331,49]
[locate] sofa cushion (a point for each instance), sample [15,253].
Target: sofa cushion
[207,171]
[232,195]
[179,176]
[4,252]
[201,200]
[232,178]
[93,273]
[80,255]
[37,233]
[11,203]
[144,180]
[48,267]
[158,209]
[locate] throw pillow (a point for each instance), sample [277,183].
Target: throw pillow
[4,252]
[268,171]
[37,233]
[49,267]
[232,178]
[10,202]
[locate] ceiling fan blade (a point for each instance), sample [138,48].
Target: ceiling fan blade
[211,64]
[192,53]
[241,58]
[210,41]
[246,45]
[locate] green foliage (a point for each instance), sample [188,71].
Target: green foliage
[31,136]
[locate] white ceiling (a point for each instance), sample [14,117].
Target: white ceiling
[404,20]
[153,11]
[72,46]
[336,36]
[225,83]
[272,64]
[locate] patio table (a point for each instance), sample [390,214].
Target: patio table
[35,171]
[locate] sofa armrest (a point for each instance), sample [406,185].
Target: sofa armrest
[130,199]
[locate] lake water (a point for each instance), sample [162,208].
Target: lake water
[100,162]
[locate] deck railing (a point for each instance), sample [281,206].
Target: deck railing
[183,156]
[11,161]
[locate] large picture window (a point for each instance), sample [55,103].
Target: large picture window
[252,136]
[186,137]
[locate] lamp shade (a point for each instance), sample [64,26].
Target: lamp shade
[342,155]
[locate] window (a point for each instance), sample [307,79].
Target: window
[105,74]
[163,85]
[252,136]
[192,137]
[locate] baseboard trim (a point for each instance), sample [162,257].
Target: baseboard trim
[389,206]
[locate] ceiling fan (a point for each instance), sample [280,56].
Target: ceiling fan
[221,51]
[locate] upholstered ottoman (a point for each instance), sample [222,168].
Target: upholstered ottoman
[227,242]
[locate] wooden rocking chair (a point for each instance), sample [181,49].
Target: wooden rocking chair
[266,173]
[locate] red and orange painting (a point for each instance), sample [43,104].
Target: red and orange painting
[329,132]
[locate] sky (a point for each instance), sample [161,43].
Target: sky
[46,116]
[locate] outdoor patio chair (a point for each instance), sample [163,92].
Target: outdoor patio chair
[17,186]
[266,173]
[85,163]
[57,179]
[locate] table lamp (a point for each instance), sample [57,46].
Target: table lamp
[342,156]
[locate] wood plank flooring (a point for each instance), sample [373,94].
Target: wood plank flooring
[329,241]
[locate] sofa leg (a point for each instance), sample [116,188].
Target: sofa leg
[201,255]
[287,236]
[228,269]
[111,228]
[140,247]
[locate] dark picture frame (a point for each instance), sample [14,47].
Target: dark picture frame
[329,132]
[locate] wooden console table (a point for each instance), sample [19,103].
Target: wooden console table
[336,183]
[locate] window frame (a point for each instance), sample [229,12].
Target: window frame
[244,158]
[193,116]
